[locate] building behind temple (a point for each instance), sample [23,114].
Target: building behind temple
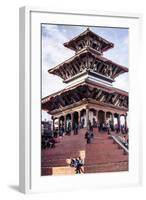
[89,95]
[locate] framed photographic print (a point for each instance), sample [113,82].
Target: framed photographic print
[79,100]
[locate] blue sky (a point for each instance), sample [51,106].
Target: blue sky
[53,52]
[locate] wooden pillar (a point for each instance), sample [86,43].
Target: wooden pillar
[119,122]
[87,117]
[112,119]
[64,122]
[105,119]
[53,119]
[79,119]
[71,121]
[58,123]
[126,121]
[112,122]
[104,116]
[97,116]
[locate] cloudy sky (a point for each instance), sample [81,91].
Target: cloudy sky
[53,52]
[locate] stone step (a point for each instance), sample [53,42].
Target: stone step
[59,163]
[102,152]
[100,160]
[93,160]
[57,171]
[101,147]
[107,167]
[102,142]
[67,170]
[61,154]
[76,154]
[99,154]
[59,151]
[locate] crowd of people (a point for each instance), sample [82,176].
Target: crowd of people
[49,140]
[77,163]
[109,127]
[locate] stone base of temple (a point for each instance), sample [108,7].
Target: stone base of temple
[107,167]
[101,155]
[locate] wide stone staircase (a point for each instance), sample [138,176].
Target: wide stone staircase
[102,155]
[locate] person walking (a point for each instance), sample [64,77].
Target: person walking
[89,136]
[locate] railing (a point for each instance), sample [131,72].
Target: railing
[120,144]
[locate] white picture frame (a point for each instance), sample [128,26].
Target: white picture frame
[30,59]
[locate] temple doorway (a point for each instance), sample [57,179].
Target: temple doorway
[109,118]
[61,122]
[116,119]
[92,117]
[122,120]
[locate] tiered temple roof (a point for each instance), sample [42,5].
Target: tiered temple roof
[88,60]
[86,91]
[90,39]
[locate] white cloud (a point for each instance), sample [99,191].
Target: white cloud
[122,82]
[53,53]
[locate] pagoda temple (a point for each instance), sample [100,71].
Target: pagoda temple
[89,95]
